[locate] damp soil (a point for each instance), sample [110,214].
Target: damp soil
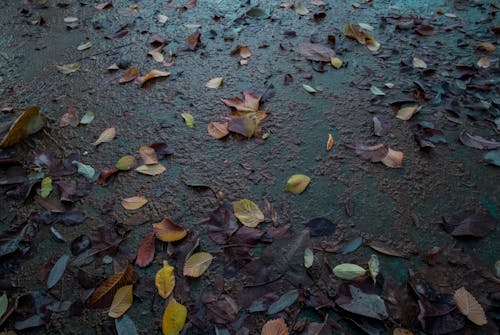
[402,208]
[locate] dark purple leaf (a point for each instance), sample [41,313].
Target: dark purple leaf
[13,175]
[222,224]
[424,30]
[57,271]
[285,301]
[288,79]
[73,217]
[478,142]
[162,149]
[470,224]
[374,153]
[321,227]
[80,244]
[220,309]
[358,302]
[317,52]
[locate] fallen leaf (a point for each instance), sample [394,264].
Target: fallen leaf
[470,224]
[377,91]
[57,271]
[106,136]
[486,46]
[419,63]
[134,203]
[70,19]
[87,118]
[370,305]
[29,122]
[129,75]
[309,89]
[157,54]
[372,44]
[125,163]
[316,52]
[218,130]
[188,119]
[151,170]
[122,301]
[148,155]
[46,187]
[146,251]
[329,142]
[174,318]
[248,212]
[197,264]
[484,62]
[386,249]
[247,124]
[394,159]
[468,306]
[106,174]
[69,68]
[85,170]
[374,267]
[297,183]
[401,331]
[125,326]
[165,280]
[336,62]
[301,9]
[69,118]
[162,18]
[151,75]
[285,301]
[275,327]
[379,153]
[366,26]
[407,112]
[425,30]
[214,83]
[193,40]
[493,157]
[169,231]
[84,46]
[348,271]
[354,31]
[308,258]
[103,5]
[250,102]
[102,296]
[243,51]
[478,142]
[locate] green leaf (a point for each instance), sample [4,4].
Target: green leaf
[87,118]
[377,91]
[85,170]
[308,258]
[125,163]
[46,187]
[336,62]
[57,271]
[309,89]
[189,119]
[4,303]
[348,271]
[297,183]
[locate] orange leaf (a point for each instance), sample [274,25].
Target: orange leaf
[168,231]
[401,331]
[407,112]
[101,298]
[193,40]
[146,251]
[217,130]
[129,75]
[165,280]
[197,264]
[330,142]
[106,136]
[394,159]
[151,170]
[151,75]
[275,327]
[148,155]
[250,102]
[174,318]
[134,203]
[487,46]
[468,306]
[121,302]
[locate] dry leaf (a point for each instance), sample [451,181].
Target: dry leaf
[249,103]
[394,159]
[419,63]
[29,122]
[162,18]
[106,136]
[151,170]
[70,118]
[275,327]
[316,51]
[330,142]
[301,9]
[121,302]
[487,46]
[336,62]
[193,40]
[308,258]
[129,75]
[468,306]
[214,83]
[169,231]
[297,183]
[174,318]
[101,298]
[165,280]
[146,251]
[197,264]
[151,75]
[377,91]
[148,155]
[309,89]
[134,203]
[248,212]
[374,267]
[68,68]
[218,130]
[242,50]
[484,62]
[84,46]
[407,112]
[157,54]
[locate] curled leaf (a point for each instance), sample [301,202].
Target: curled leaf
[309,89]
[348,271]
[169,231]
[248,212]
[297,183]
[468,306]
[165,280]
[329,142]
[134,203]
[174,318]
[121,301]
[84,46]
[197,264]
[68,68]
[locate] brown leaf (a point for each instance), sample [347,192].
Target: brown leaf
[242,50]
[151,170]
[386,249]
[193,40]
[329,142]
[484,62]
[151,75]
[468,306]
[425,30]
[148,155]
[129,75]
[316,52]
[146,251]
[354,31]
[250,102]
[106,136]
[218,130]
[70,118]
[394,159]
[486,46]
[106,174]
[29,122]
[103,295]
[134,203]
[275,327]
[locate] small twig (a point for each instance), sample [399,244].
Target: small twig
[106,50]
[264,283]
[54,140]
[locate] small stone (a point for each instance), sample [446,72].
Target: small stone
[123,62]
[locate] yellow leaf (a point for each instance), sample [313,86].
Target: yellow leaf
[468,306]
[174,318]
[125,163]
[330,142]
[197,264]
[46,187]
[214,83]
[297,183]
[133,203]
[106,136]
[189,119]
[152,74]
[68,68]
[248,212]
[165,280]
[407,112]
[29,122]
[168,231]
[121,302]
[348,271]
[336,62]
[151,170]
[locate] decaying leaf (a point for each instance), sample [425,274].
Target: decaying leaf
[46,187]
[394,159]
[478,142]
[486,46]
[374,267]
[70,118]
[330,142]
[148,155]
[379,153]
[174,318]
[193,40]
[275,327]
[102,296]
[169,231]
[29,122]
[125,163]
[407,112]
[69,68]
[468,306]
[218,130]
[134,203]
[215,82]
[151,75]
[151,170]
[165,280]
[348,271]
[316,52]
[129,75]
[106,136]
[249,103]
[197,264]
[297,183]
[361,303]
[188,119]
[470,224]
[354,31]
[248,212]
[247,124]
[122,301]
[484,62]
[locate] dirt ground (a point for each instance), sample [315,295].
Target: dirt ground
[401,209]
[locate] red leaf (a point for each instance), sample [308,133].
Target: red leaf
[106,174]
[146,251]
